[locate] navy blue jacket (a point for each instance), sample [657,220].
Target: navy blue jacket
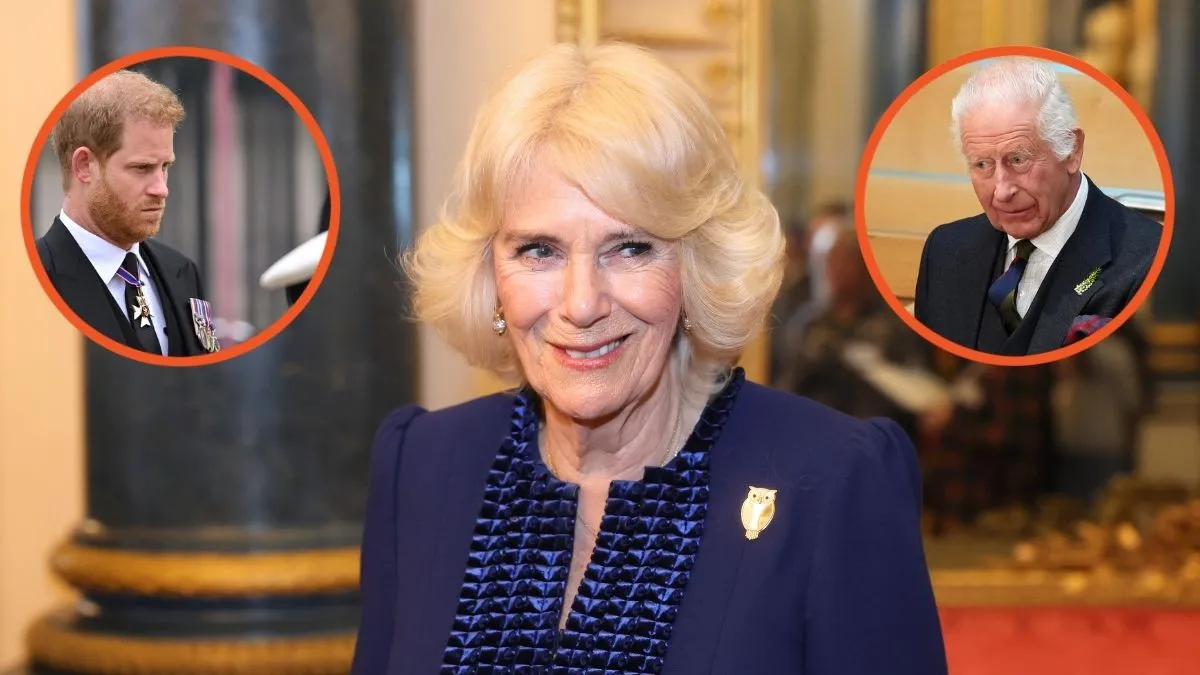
[837,583]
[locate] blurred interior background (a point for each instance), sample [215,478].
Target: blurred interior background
[1077,473]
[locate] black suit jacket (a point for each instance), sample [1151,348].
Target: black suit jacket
[961,260]
[175,277]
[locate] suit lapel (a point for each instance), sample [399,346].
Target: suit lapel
[992,333]
[1058,302]
[434,548]
[735,465]
[80,287]
[179,338]
[971,269]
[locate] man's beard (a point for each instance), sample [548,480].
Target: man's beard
[122,223]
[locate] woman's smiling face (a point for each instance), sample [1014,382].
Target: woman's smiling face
[592,304]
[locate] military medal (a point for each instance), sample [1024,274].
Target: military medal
[202,322]
[757,511]
[141,311]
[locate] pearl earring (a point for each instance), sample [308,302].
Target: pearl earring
[687,324]
[499,325]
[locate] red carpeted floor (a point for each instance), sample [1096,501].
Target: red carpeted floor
[1071,641]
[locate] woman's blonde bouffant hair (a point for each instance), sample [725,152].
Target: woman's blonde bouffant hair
[642,144]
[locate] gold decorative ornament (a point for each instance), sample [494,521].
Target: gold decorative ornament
[730,41]
[567,19]
[179,574]
[52,642]
[719,74]
[1032,587]
[757,511]
[721,12]
[1140,544]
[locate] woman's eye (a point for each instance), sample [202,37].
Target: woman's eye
[535,250]
[633,249]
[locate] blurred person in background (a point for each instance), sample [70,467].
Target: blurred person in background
[805,293]
[634,505]
[991,447]
[115,147]
[1099,404]
[855,318]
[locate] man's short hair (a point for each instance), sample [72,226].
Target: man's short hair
[96,118]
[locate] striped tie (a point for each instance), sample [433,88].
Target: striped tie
[1003,292]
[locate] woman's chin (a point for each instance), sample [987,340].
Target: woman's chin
[583,406]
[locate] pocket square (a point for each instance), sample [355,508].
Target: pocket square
[1084,326]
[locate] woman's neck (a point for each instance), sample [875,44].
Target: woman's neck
[646,433]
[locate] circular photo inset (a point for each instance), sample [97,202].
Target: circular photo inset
[180,206]
[1014,206]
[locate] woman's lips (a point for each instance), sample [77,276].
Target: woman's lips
[593,356]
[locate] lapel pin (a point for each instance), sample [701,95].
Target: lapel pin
[1082,286]
[757,511]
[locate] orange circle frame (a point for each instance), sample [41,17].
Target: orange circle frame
[326,159]
[893,301]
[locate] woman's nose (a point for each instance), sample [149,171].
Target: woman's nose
[585,298]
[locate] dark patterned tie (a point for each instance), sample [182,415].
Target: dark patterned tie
[138,308]
[1003,292]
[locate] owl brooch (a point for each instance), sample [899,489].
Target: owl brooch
[757,511]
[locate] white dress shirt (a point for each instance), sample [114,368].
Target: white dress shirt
[106,258]
[1047,246]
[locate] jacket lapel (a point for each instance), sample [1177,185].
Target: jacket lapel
[972,269]
[735,465]
[992,333]
[1062,297]
[440,498]
[80,287]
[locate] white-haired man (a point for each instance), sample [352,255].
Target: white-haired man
[1051,259]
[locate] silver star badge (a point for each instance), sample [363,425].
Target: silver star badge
[142,311]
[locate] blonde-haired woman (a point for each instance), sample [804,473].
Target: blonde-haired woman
[634,505]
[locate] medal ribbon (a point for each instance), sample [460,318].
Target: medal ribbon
[129,278]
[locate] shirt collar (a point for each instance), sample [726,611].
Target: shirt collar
[105,256]
[1052,240]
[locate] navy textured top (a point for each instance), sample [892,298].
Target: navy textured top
[467,549]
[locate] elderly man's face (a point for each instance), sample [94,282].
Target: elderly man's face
[592,304]
[1021,185]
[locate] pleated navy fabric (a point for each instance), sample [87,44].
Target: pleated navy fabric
[620,622]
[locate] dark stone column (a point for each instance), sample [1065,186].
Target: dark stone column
[1177,295]
[225,502]
[899,36]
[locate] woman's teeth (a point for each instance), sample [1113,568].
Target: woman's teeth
[595,353]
